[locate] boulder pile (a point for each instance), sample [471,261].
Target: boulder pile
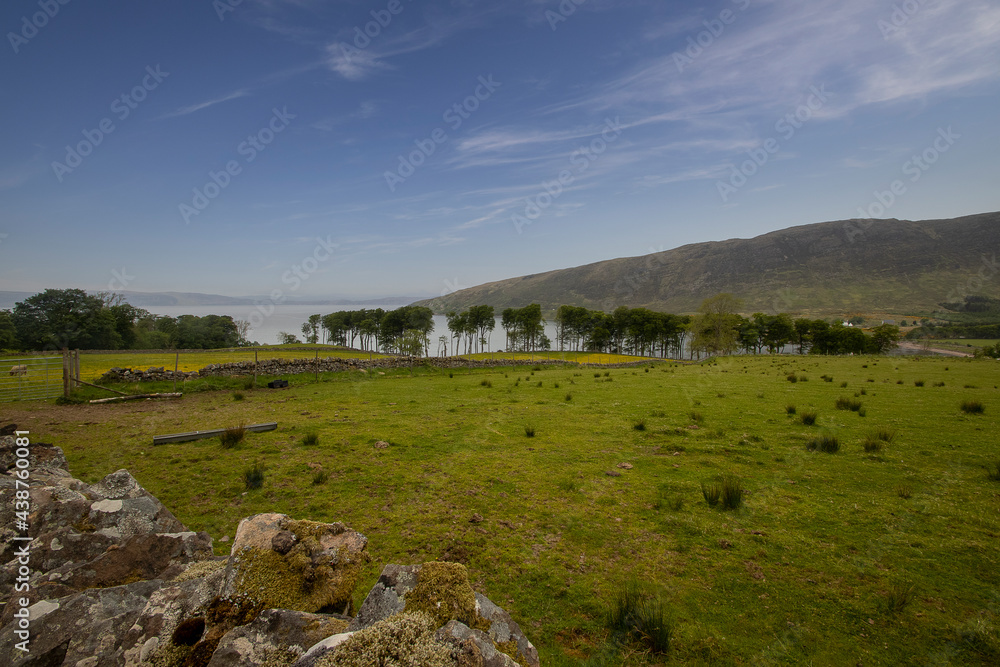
[114,579]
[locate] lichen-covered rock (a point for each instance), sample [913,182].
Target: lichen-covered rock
[150,640]
[151,556]
[40,455]
[442,590]
[276,638]
[82,629]
[314,569]
[398,641]
[472,648]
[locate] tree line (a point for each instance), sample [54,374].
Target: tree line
[404,330]
[70,318]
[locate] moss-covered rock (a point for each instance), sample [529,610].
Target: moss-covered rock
[402,640]
[314,570]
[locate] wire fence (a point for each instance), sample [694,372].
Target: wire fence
[31,378]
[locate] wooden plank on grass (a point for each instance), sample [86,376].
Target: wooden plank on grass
[214,433]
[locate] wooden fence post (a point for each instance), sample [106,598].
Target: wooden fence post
[65,373]
[255,368]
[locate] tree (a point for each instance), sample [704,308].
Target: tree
[8,332]
[287,338]
[716,327]
[243,331]
[68,318]
[885,337]
[310,329]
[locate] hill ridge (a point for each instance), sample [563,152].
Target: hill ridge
[839,266]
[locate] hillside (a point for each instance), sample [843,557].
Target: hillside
[895,266]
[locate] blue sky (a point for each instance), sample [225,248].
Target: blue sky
[394,147]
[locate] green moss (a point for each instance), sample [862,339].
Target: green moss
[401,640]
[292,581]
[443,591]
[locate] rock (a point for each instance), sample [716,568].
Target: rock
[175,606]
[8,429]
[150,556]
[625,466]
[40,455]
[612,473]
[403,639]
[442,590]
[82,629]
[276,637]
[318,573]
[476,518]
[472,648]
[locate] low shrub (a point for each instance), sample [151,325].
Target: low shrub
[569,397]
[904,491]
[939,384]
[486,383]
[993,471]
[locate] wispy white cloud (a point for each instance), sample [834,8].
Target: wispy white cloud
[183,111]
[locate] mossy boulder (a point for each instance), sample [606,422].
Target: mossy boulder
[443,592]
[299,565]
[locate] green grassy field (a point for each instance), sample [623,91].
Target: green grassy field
[958,344]
[876,558]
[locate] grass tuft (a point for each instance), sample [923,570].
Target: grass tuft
[972,407]
[844,403]
[320,477]
[486,383]
[732,492]
[310,439]
[993,471]
[824,443]
[253,477]
[232,436]
[711,492]
[790,409]
[529,431]
[639,425]
[792,377]
[808,418]
[918,383]
[898,597]
[904,491]
[238,396]
[696,416]
[641,620]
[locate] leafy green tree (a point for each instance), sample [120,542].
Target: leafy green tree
[67,318]
[8,332]
[310,328]
[885,337]
[287,338]
[717,325]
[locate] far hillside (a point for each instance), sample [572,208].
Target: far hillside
[829,268]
